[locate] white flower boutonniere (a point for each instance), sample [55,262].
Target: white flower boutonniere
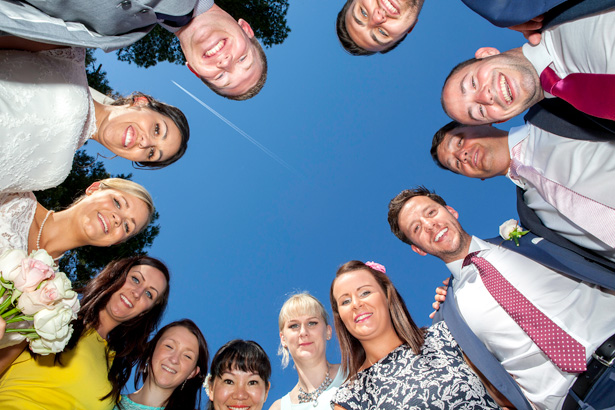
[512,231]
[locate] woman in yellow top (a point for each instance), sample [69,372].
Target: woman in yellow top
[119,309]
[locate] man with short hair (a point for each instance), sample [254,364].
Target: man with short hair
[491,280]
[220,50]
[583,170]
[495,87]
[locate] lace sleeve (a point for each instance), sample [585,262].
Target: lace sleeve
[16,215]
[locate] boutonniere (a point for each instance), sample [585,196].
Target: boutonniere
[512,231]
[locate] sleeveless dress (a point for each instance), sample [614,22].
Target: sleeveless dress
[46,114]
[77,383]
[127,404]
[324,400]
[438,378]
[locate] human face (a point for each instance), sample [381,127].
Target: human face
[376,25]
[433,229]
[492,89]
[175,357]
[139,134]
[144,285]
[479,151]
[362,305]
[218,49]
[238,390]
[107,216]
[306,337]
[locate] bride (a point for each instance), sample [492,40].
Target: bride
[47,113]
[111,211]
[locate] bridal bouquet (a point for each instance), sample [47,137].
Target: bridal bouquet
[36,301]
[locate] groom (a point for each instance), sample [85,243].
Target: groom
[220,50]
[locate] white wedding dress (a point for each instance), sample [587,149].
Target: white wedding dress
[16,215]
[46,114]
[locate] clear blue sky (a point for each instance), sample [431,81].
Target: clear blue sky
[240,231]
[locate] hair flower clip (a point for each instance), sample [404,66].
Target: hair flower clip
[376,266]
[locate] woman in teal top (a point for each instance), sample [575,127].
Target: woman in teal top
[172,368]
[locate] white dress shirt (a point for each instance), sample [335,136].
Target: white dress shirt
[585,45]
[585,167]
[582,310]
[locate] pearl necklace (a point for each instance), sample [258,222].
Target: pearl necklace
[40,231]
[305,397]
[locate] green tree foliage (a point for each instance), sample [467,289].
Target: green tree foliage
[267,18]
[97,77]
[83,263]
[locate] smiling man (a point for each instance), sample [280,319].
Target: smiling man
[487,325]
[496,86]
[365,27]
[566,182]
[220,50]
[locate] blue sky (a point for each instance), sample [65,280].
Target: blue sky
[240,231]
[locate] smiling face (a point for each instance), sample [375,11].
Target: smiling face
[219,49]
[139,134]
[305,336]
[492,89]
[475,151]
[362,305]
[376,25]
[433,229]
[108,216]
[143,286]
[175,358]
[238,390]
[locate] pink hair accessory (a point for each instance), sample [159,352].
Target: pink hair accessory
[376,266]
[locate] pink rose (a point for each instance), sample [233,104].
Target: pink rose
[33,272]
[50,292]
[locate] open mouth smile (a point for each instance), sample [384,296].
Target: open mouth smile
[215,49]
[168,369]
[129,136]
[362,317]
[440,234]
[390,8]
[505,90]
[104,223]
[126,301]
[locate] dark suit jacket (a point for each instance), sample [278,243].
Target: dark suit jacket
[560,118]
[506,13]
[546,253]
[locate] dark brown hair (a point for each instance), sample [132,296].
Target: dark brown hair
[397,203]
[128,339]
[437,140]
[353,354]
[188,395]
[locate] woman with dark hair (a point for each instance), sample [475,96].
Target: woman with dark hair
[172,368]
[111,211]
[391,363]
[48,112]
[239,377]
[119,309]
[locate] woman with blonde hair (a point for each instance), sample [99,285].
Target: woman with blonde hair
[304,331]
[111,211]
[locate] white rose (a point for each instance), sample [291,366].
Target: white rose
[47,295]
[507,228]
[43,256]
[53,324]
[10,263]
[45,346]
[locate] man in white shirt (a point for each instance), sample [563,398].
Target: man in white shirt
[584,311]
[585,167]
[496,86]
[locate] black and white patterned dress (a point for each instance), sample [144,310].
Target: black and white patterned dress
[438,378]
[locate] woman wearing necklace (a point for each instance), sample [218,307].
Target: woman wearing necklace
[111,211]
[392,364]
[304,331]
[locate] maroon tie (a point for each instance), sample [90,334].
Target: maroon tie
[564,351]
[594,94]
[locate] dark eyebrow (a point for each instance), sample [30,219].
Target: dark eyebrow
[471,115]
[359,22]
[151,287]
[132,219]
[373,36]
[164,137]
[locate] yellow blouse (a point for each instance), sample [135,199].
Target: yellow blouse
[41,384]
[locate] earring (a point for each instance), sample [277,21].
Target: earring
[183,384]
[145,369]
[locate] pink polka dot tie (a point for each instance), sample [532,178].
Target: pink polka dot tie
[564,351]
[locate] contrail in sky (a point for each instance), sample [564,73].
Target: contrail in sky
[240,131]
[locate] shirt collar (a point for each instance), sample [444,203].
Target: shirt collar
[476,245]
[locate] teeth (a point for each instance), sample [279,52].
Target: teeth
[439,235]
[215,49]
[505,89]
[130,134]
[125,299]
[104,223]
[390,8]
[168,369]
[361,317]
